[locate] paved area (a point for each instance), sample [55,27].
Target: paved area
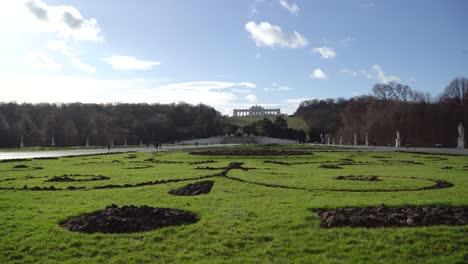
[84,151]
[453,151]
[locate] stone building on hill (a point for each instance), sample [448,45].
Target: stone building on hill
[256,111]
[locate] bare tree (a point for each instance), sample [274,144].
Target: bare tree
[457,92]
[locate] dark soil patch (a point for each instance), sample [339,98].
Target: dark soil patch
[358,178]
[399,162]
[380,157]
[287,163]
[196,188]
[406,216]
[447,168]
[439,184]
[330,166]
[140,167]
[128,185]
[232,166]
[245,152]
[67,178]
[37,188]
[20,166]
[131,156]
[46,158]
[14,160]
[202,162]
[128,219]
[152,160]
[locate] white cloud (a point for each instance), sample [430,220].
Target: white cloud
[325,52]
[251,98]
[128,63]
[382,77]
[78,64]
[65,21]
[257,56]
[60,46]
[278,88]
[375,73]
[244,91]
[94,90]
[292,8]
[349,72]
[318,74]
[43,61]
[266,34]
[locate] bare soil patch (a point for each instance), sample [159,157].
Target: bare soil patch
[128,219]
[330,166]
[406,216]
[197,188]
[358,178]
[250,152]
[68,178]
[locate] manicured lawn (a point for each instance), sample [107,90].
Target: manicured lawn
[240,221]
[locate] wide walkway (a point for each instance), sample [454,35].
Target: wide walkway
[83,151]
[453,151]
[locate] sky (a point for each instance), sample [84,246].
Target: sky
[227,54]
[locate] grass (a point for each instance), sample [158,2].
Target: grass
[293,122]
[240,222]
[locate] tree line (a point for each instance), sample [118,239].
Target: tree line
[421,119]
[77,124]
[100,124]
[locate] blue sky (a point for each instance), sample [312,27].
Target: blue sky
[226,53]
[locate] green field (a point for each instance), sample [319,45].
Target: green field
[293,122]
[241,221]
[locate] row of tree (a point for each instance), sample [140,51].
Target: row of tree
[79,124]
[99,124]
[421,119]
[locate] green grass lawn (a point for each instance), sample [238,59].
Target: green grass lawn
[293,122]
[241,222]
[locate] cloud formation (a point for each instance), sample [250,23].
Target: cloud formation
[318,74]
[382,77]
[82,66]
[65,21]
[130,63]
[292,8]
[266,34]
[278,88]
[325,52]
[44,61]
[376,73]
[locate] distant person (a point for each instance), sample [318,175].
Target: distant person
[108,147]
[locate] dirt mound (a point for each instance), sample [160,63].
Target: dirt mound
[406,216]
[196,188]
[251,152]
[128,219]
[358,178]
[67,178]
[330,166]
